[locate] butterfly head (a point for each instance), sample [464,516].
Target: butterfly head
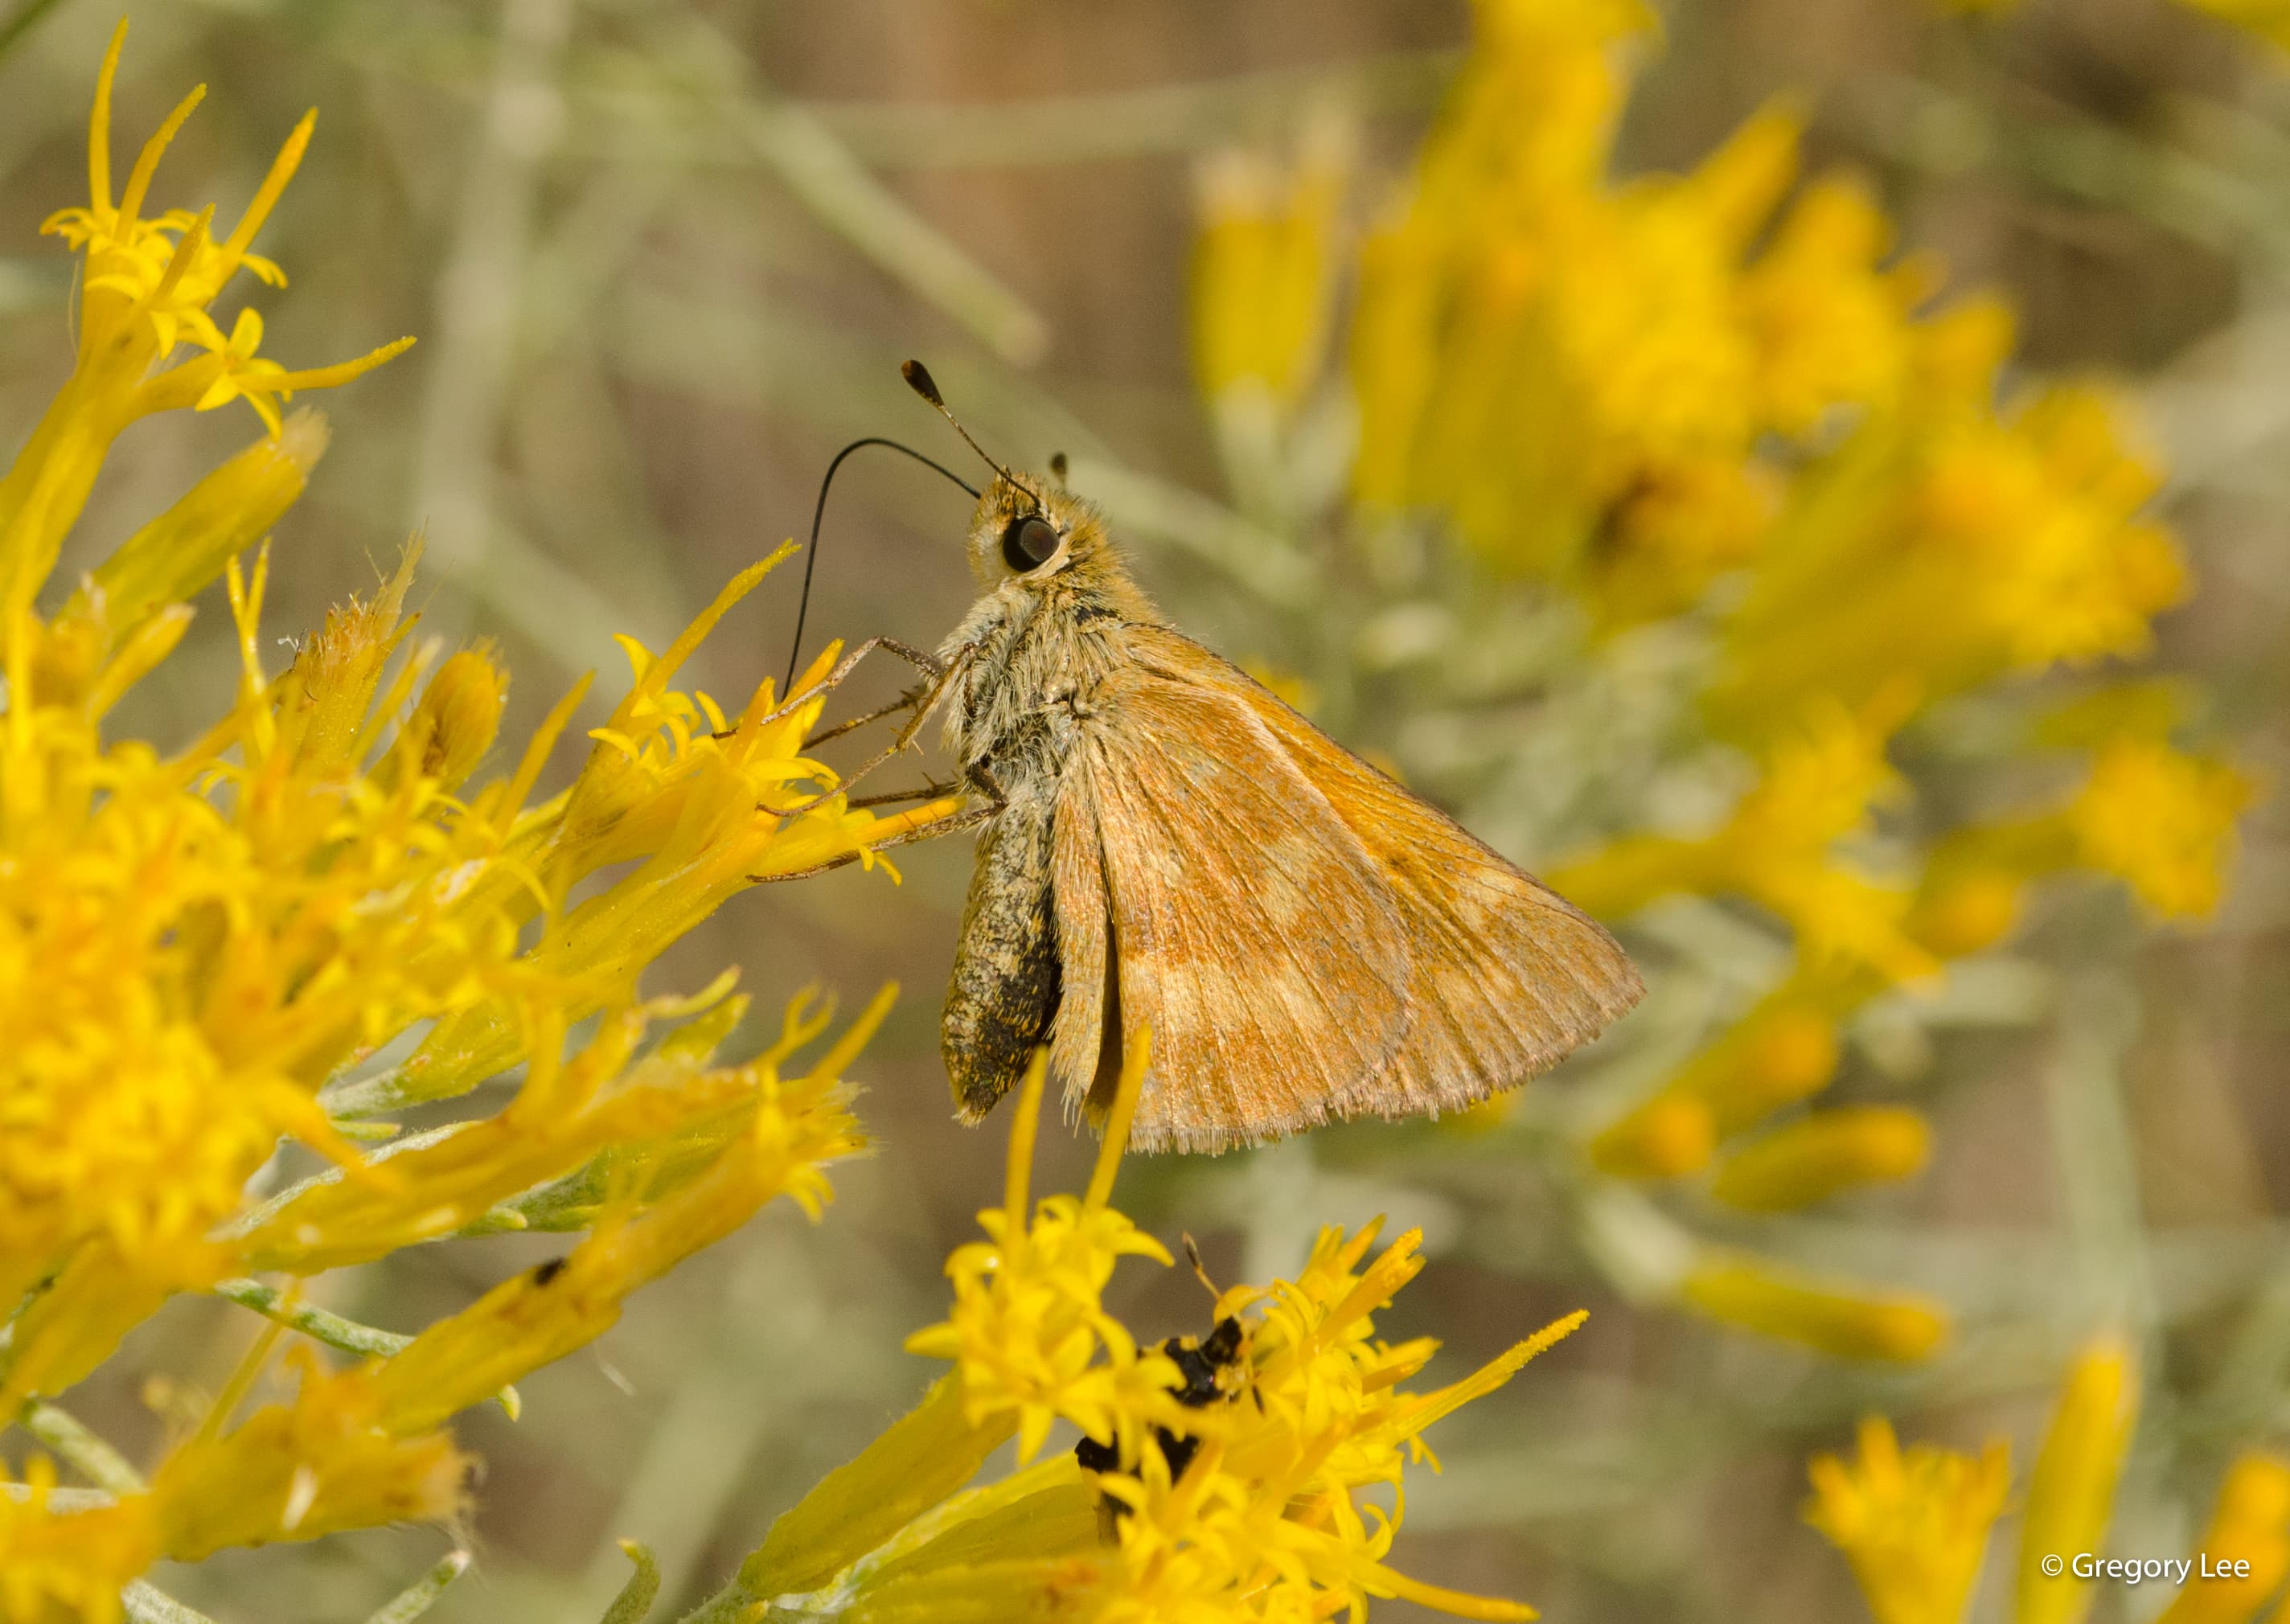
[1029,529]
[1031,534]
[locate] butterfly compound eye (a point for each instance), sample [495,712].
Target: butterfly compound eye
[1028,543]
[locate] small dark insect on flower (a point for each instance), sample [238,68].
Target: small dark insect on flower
[543,1273]
[1214,1367]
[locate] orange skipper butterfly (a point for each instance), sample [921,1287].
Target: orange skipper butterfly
[1165,843]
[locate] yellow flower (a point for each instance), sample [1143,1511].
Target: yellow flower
[1028,1333]
[2163,822]
[1945,543]
[1585,376]
[1226,1470]
[1782,1051]
[454,724]
[146,286]
[1847,1320]
[2072,1492]
[1821,1154]
[1263,273]
[1830,329]
[2250,1523]
[202,949]
[1776,849]
[1915,1526]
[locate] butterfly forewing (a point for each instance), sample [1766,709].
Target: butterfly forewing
[1246,925]
[1504,976]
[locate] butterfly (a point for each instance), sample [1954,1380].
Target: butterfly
[1166,844]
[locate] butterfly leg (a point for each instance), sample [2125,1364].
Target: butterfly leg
[943,677]
[927,664]
[928,792]
[905,701]
[968,819]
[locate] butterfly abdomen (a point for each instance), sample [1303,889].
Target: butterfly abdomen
[1005,987]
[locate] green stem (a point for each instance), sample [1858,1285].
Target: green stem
[415,1600]
[145,1605]
[635,1597]
[728,1606]
[332,1329]
[88,1454]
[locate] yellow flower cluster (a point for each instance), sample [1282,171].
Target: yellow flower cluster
[1229,1490]
[1916,1525]
[1714,417]
[206,950]
[1028,1334]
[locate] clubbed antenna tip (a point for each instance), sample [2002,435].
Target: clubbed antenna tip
[918,379]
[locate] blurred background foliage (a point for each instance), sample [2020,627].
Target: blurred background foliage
[1735,456]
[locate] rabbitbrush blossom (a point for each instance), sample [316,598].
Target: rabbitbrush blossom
[1246,1503]
[314,913]
[1916,1523]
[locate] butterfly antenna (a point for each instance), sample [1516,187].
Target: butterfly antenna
[819,512]
[918,379]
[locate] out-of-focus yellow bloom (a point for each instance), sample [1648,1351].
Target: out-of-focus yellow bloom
[58,1565]
[1242,1504]
[2163,822]
[1782,1051]
[1849,1321]
[1581,373]
[328,1460]
[1669,1136]
[1945,544]
[2250,1523]
[1821,1154]
[1776,849]
[1914,1525]
[1264,272]
[2072,1492]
